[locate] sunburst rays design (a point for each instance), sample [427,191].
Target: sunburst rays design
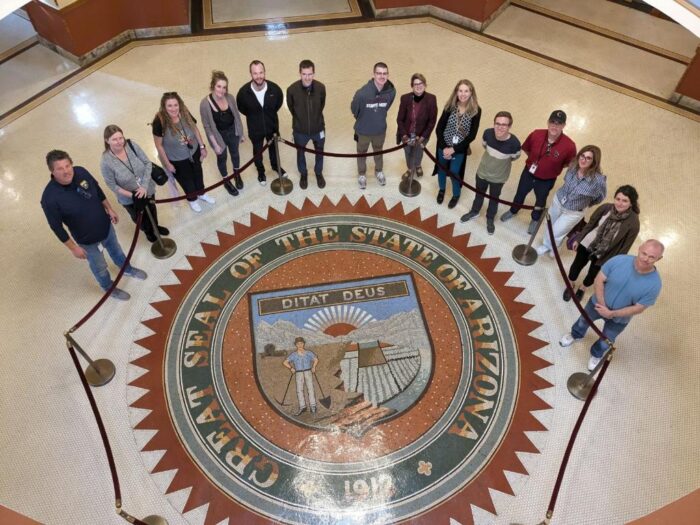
[164,438]
[339,320]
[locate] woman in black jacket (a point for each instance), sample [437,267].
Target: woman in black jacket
[456,130]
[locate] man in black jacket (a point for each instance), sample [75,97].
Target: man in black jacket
[306,99]
[259,101]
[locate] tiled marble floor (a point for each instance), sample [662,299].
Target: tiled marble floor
[13,31]
[638,447]
[248,10]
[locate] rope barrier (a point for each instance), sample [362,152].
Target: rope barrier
[473,189]
[574,435]
[219,183]
[115,282]
[341,155]
[560,265]
[93,404]
[105,439]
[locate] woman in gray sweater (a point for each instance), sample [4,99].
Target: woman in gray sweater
[127,171]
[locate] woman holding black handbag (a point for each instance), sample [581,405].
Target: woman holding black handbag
[127,171]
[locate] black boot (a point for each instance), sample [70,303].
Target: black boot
[230,188]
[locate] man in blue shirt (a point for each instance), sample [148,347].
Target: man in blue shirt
[626,286]
[302,363]
[74,199]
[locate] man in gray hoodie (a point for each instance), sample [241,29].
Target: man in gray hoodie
[370,106]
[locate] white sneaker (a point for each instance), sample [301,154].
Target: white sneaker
[195,206]
[206,198]
[593,362]
[381,179]
[542,249]
[362,181]
[566,340]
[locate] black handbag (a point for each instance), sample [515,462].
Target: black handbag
[157,173]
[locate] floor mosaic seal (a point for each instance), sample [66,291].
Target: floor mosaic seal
[340,363]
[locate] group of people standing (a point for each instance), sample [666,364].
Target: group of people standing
[74,199]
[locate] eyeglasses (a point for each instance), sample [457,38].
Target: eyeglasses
[170,94]
[589,158]
[502,124]
[416,84]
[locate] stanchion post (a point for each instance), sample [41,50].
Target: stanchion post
[153,519]
[580,383]
[525,254]
[281,185]
[163,247]
[410,187]
[98,373]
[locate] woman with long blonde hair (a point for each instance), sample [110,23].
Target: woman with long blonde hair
[456,130]
[180,147]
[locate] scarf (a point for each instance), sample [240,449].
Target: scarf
[607,232]
[457,126]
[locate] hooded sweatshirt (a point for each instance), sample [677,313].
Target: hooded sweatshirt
[370,108]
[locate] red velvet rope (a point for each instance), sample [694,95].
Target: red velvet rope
[472,188]
[216,184]
[560,264]
[104,297]
[574,434]
[341,155]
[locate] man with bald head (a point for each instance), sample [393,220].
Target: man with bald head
[626,286]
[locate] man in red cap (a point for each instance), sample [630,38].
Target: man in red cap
[548,151]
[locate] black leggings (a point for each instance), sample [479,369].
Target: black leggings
[189,174]
[583,256]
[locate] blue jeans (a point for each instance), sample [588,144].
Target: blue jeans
[301,139]
[96,259]
[454,166]
[611,329]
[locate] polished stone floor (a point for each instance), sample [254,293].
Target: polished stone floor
[637,449]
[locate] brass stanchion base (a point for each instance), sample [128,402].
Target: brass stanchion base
[525,254]
[101,373]
[155,520]
[163,248]
[579,385]
[282,186]
[409,187]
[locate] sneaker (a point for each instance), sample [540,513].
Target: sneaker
[304,181]
[532,227]
[419,171]
[507,216]
[163,230]
[440,196]
[566,295]
[262,179]
[593,362]
[137,273]
[566,340]
[206,198]
[195,206]
[237,178]
[320,180]
[120,294]
[381,179]
[468,216]
[362,181]
[300,411]
[490,227]
[453,202]
[579,294]
[284,173]
[541,249]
